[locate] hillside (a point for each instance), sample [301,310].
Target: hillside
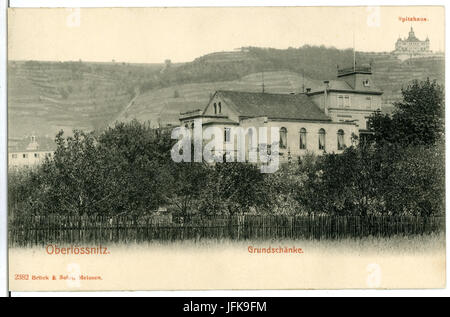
[45,97]
[391,75]
[163,106]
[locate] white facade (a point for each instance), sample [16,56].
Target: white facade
[324,120]
[27,158]
[411,46]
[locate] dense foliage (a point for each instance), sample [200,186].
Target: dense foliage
[417,120]
[128,170]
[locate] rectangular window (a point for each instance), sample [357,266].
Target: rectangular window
[227,135]
[14,156]
[347,101]
[340,101]
[36,155]
[25,155]
[343,101]
[369,102]
[367,123]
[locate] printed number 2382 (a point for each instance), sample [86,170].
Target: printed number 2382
[21,276]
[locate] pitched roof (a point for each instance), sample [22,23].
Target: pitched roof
[43,144]
[218,121]
[340,85]
[274,106]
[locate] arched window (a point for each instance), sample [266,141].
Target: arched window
[283,138]
[250,142]
[215,108]
[321,139]
[302,139]
[340,140]
[227,135]
[220,107]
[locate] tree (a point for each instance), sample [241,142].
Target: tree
[410,143]
[190,180]
[377,179]
[285,189]
[344,183]
[383,127]
[68,179]
[417,120]
[139,167]
[125,169]
[234,188]
[415,183]
[421,113]
[24,192]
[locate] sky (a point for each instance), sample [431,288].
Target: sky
[152,35]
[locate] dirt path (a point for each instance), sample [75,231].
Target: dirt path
[128,106]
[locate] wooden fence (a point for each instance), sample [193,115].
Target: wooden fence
[39,230]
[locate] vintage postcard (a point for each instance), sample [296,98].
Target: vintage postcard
[226,148]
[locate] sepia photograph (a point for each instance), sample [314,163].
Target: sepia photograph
[226,148]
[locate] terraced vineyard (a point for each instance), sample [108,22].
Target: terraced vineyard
[45,97]
[391,75]
[163,106]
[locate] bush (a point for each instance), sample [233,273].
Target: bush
[368,180]
[128,169]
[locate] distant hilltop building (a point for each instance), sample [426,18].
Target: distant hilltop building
[323,119]
[412,46]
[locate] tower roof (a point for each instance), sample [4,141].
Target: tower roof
[412,36]
[31,144]
[357,69]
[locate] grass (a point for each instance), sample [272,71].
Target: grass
[417,244]
[370,245]
[402,262]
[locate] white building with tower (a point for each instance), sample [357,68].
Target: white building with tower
[322,119]
[411,46]
[25,155]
